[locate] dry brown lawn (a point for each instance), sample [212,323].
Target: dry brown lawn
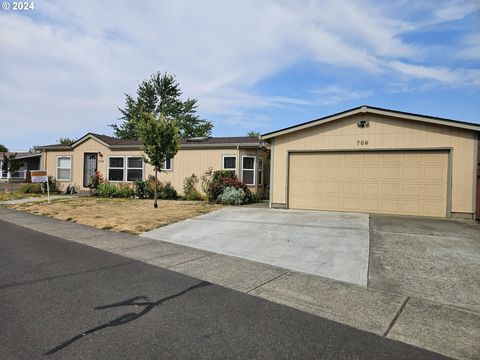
[127,215]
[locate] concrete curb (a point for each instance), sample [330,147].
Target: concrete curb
[439,328]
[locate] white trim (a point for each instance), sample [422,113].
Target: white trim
[236,163]
[254,169]
[57,167]
[123,168]
[260,170]
[133,168]
[165,165]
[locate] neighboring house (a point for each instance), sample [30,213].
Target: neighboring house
[120,160]
[376,160]
[29,161]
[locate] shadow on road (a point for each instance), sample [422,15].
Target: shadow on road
[126,318]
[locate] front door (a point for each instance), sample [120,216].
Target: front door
[89,167]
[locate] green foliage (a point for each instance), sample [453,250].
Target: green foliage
[253,134]
[53,185]
[160,96]
[221,179]
[3,148]
[31,188]
[96,180]
[190,191]
[109,190]
[168,192]
[66,141]
[10,163]
[160,138]
[34,149]
[145,189]
[233,196]
[206,180]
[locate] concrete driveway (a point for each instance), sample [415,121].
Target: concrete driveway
[435,259]
[329,244]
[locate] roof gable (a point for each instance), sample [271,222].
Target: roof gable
[373,110]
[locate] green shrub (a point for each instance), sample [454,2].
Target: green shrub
[96,180]
[206,180]
[167,192]
[109,190]
[233,196]
[190,191]
[141,189]
[31,188]
[221,179]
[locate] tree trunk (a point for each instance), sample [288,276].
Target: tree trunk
[155,205]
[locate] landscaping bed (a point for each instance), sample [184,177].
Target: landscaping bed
[133,216]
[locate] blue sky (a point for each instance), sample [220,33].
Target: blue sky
[66,65]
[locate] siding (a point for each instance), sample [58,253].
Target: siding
[185,163]
[383,133]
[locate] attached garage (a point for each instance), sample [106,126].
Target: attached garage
[376,161]
[391,182]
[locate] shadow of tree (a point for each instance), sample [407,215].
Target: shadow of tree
[126,318]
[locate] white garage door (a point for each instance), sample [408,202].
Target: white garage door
[391,182]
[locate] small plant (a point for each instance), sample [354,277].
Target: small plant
[31,188]
[108,190]
[233,196]
[222,179]
[167,192]
[206,180]
[190,191]
[95,180]
[53,185]
[142,190]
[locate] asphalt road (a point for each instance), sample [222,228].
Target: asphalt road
[62,300]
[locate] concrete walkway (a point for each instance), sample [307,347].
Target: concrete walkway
[443,329]
[33,199]
[330,244]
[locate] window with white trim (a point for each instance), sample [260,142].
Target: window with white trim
[229,163]
[260,171]
[116,168]
[64,168]
[134,168]
[167,165]
[248,170]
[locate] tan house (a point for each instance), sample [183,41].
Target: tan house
[375,160]
[120,160]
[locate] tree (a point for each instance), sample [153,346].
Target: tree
[10,164]
[3,148]
[34,149]
[160,95]
[253,133]
[66,141]
[161,140]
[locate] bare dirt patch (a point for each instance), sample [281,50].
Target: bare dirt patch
[127,215]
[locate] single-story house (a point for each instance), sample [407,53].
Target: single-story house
[29,161]
[120,160]
[375,160]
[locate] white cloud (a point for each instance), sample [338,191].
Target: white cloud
[68,66]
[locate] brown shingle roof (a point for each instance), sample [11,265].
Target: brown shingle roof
[203,141]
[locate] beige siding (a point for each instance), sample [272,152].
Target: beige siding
[185,162]
[88,146]
[391,182]
[382,133]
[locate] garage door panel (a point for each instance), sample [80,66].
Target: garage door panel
[409,182]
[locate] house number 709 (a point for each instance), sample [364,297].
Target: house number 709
[362,142]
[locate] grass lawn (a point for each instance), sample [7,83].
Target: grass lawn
[127,215]
[15,195]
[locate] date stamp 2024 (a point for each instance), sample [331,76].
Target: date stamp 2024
[18,6]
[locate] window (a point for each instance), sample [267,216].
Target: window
[260,171]
[230,163]
[167,165]
[116,168]
[64,168]
[134,168]
[248,171]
